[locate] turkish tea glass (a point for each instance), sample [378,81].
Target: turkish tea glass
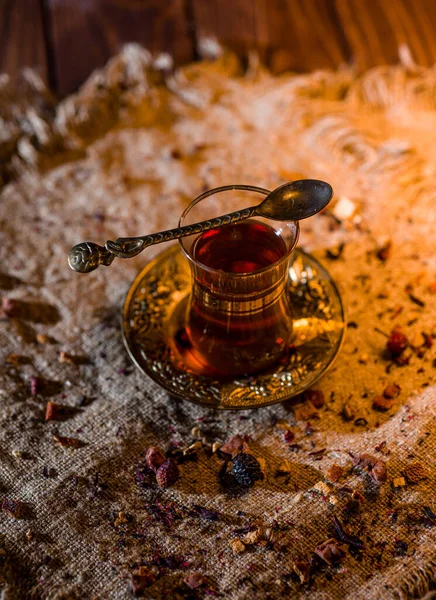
[238,323]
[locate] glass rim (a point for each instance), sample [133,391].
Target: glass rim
[245,188]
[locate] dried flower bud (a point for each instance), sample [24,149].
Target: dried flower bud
[331,551]
[167,474]
[315,397]
[397,342]
[154,457]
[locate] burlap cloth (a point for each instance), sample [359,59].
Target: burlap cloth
[123,157]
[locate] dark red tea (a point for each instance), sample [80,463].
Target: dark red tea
[244,247]
[239,318]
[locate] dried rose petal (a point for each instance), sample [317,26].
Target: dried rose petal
[375,468]
[397,342]
[194,580]
[315,397]
[235,445]
[382,403]
[334,473]
[391,391]
[415,472]
[331,551]
[12,507]
[154,457]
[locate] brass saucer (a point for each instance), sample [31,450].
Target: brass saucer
[153,316]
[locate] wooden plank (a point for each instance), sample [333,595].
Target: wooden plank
[22,41]
[86,33]
[375,30]
[298,35]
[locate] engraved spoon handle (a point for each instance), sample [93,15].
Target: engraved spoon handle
[87,256]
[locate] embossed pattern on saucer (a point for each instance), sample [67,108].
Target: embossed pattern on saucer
[154,311]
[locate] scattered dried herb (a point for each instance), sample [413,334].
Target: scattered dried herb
[331,551]
[237,546]
[167,474]
[400,547]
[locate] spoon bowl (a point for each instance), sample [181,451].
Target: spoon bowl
[292,201]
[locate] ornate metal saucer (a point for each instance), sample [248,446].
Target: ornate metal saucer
[153,317]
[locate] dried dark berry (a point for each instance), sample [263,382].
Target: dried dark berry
[167,474]
[154,458]
[397,342]
[246,469]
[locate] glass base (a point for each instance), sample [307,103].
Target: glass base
[153,324]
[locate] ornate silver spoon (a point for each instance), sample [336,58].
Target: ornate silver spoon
[290,202]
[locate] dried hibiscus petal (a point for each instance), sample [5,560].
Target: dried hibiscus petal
[234,445]
[344,536]
[331,551]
